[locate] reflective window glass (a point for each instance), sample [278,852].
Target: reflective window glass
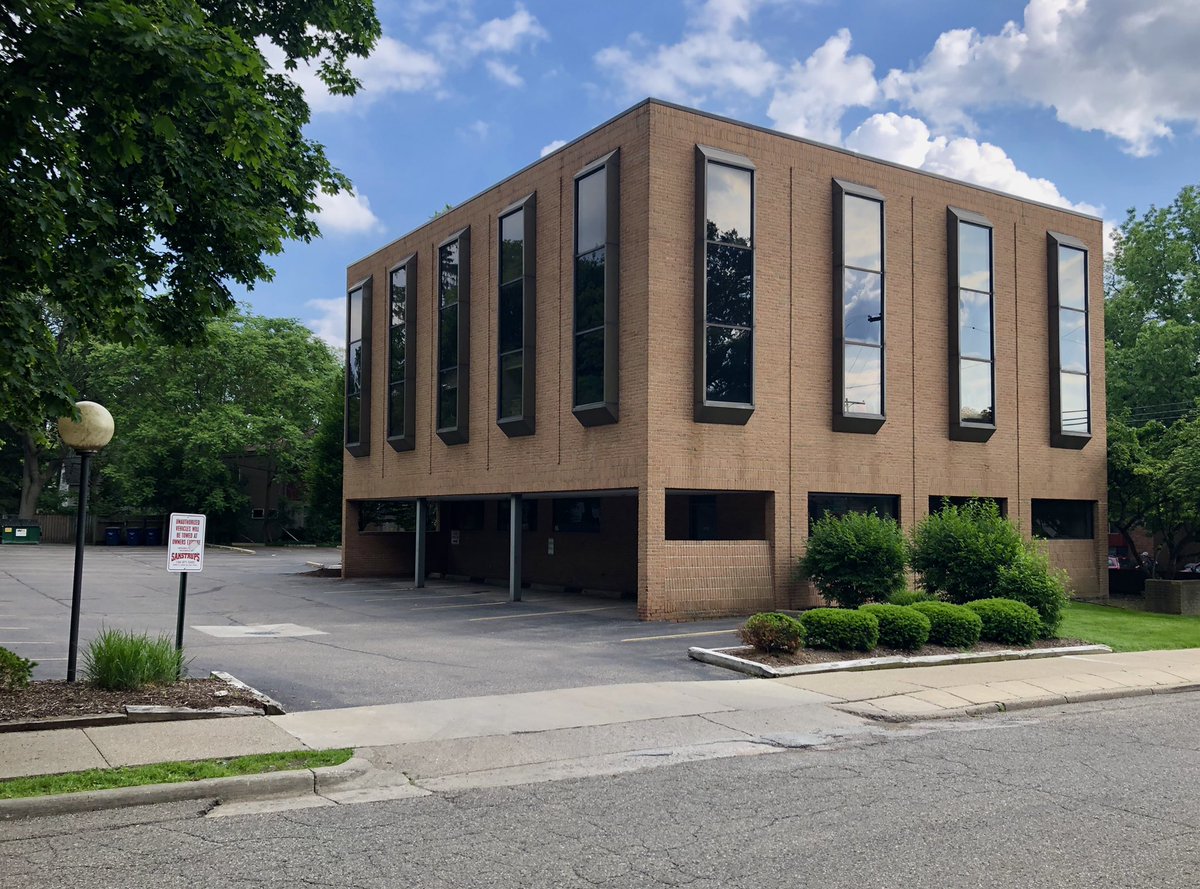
[975,391]
[974,256]
[729,204]
[729,271]
[1072,277]
[591,211]
[512,309]
[512,246]
[399,295]
[862,299]
[354,366]
[448,399]
[356,331]
[448,338]
[589,290]
[396,410]
[974,324]
[511,378]
[862,233]
[396,347]
[729,368]
[589,367]
[863,375]
[448,274]
[1074,402]
[1072,333]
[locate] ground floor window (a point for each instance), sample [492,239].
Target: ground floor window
[938,502]
[717,515]
[577,514]
[820,505]
[529,515]
[1064,519]
[392,516]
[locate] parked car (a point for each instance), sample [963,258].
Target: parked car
[1114,563]
[1190,568]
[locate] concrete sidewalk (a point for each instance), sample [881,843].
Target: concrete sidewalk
[514,738]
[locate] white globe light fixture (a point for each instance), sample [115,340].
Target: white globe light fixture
[86,436]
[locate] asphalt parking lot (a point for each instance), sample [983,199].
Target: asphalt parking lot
[318,642]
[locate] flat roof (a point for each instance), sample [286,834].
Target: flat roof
[750,126]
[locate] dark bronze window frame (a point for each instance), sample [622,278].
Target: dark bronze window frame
[705,411]
[1059,437]
[460,432]
[361,446]
[407,440]
[843,420]
[960,429]
[1086,514]
[523,423]
[814,498]
[607,410]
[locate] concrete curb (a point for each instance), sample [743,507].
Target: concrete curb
[866,710]
[722,657]
[296,782]
[231,549]
[270,705]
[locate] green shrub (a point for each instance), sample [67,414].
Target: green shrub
[855,558]
[951,625]
[772,632]
[1031,580]
[958,552]
[120,660]
[1007,621]
[15,671]
[840,629]
[909,597]
[900,627]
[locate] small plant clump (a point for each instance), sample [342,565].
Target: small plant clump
[953,626]
[772,632]
[856,558]
[15,671]
[1006,621]
[120,660]
[840,629]
[900,627]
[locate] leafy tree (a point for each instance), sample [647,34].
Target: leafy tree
[323,521]
[253,386]
[150,158]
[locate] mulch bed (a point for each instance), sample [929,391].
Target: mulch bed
[57,698]
[822,656]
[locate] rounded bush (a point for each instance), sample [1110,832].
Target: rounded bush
[1031,580]
[951,625]
[15,671]
[772,632]
[958,553]
[1007,621]
[840,629]
[900,627]
[909,597]
[855,558]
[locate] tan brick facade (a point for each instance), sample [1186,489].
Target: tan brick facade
[788,448]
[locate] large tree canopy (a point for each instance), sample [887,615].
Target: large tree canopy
[150,158]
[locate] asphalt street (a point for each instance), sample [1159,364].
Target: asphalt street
[360,641]
[1090,795]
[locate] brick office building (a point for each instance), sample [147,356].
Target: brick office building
[666,346]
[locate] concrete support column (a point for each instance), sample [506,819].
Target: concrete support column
[651,530]
[419,557]
[514,547]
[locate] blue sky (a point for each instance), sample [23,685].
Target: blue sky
[1093,104]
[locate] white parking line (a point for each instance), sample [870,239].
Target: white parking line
[681,635]
[24,642]
[414,598]
[467,605]
[545,613]
[14,628]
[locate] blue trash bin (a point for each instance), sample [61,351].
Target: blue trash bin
[153,537]
[112,536]
[133,536]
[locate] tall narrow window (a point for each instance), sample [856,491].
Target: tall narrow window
[358,369]
[597,229]
[1070,357]
[401,404]
[724,313]
[858,308]
[972,340]
[454,343]
[516,302]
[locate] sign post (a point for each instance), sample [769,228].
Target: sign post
[185,554]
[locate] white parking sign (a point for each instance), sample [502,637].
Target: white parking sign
[185,542]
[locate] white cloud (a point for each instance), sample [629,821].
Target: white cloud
[1121,68]
[506,74]
[551,147]
[506,35]
[330,323]
[710,58]
[907,140]
[346,212]
[816,93]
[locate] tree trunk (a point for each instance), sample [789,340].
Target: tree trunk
[33,476]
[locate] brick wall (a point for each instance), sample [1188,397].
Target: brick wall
[713,578]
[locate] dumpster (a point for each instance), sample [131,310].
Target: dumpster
[153,537]
[21,532]
[133,536]
[112,536]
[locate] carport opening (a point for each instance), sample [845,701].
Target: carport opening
[717,515]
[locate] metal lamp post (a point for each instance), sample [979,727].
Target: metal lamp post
[86,436]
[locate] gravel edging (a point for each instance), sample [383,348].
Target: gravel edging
[724,657]
[266,785]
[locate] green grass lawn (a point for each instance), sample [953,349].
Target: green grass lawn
[1124,630]
[170,772]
